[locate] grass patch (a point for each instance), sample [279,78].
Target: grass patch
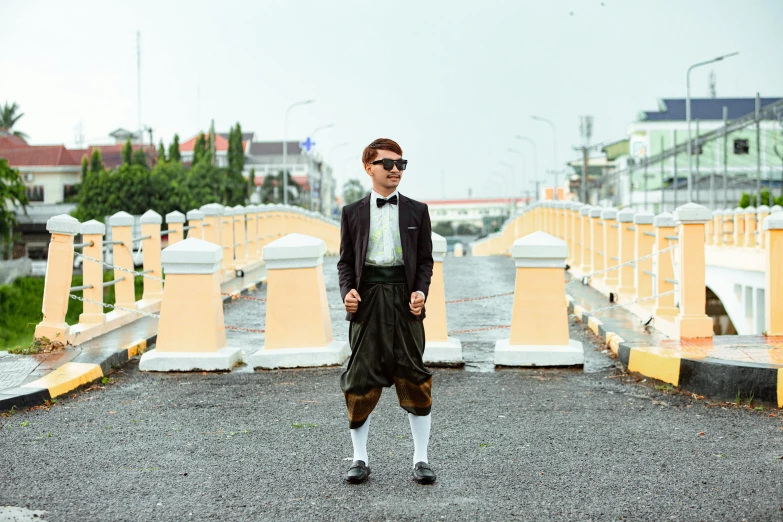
[305,425]
[20,309]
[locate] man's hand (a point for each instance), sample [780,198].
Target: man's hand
[352,301]
[417,303]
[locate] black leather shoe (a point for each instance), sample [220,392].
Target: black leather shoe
[423,474]
[357,473]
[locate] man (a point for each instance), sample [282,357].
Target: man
[385,270]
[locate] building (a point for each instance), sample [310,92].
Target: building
[600,171]
[478,213]
[658,131]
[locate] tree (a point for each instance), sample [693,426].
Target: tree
[236,153]
[140,158]
[353,191]
[85,164]
[127,153]
[96,161]
[199,149]
[9,117]
[12,195]
[251,182]
[211,143]
[269,189]
[174,154]
[444,229]
[161,153]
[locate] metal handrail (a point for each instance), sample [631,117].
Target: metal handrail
[631,228]
[615,225]
[82,245]
[647,272]
[651,234]
[672,238]
[672,281]
[189,227]
[114,282]
[616,258]
[141,238]
[148,271]
[80,288]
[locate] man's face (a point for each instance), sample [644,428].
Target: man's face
[387,179]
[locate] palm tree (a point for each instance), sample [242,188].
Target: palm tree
[8,119]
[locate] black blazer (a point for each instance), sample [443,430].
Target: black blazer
[415,237]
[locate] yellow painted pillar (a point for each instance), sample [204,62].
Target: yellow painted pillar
[750,227]
[773,253]
[692,320]
[539,320]
[557,209]
[227,242]
[739,227]
[298,326]
[717,228]
[708,232]
[195,224]
[611,257]
[596,241]
[762,213]
[253,253]
[586,249]
[150,247]
[191,332]
[627,247]
[440,348]
[664,268]
[213,214]
[644,243]
[122,235]
[728,226]
[92,272]
[568,233]
[59,272]
[577,237]
[175,223]
[240,237]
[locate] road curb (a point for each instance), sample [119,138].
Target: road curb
[706,376]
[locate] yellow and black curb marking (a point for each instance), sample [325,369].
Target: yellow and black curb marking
[706,376]
[83,369]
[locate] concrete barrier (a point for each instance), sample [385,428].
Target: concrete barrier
[175,223]
[191,332]
[440,349]
[773,230]
[539,323]
[298,326]
[692,321]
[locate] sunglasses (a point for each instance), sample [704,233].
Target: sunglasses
[388,163]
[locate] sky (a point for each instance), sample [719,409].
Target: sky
[454,82]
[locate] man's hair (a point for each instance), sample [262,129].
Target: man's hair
[371,150]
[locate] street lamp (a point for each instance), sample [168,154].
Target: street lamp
[688,115]
[524,176]
[285,147]
[554,149]
[513,181]
[535,153]
[312,163]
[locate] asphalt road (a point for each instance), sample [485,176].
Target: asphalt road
[545,444]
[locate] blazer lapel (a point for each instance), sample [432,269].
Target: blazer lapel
[403,216]
[364,227]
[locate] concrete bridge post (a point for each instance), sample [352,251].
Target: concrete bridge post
[150,247]
[191,332]
[596,241]
[298,325]
[708,231]
[586,254]
[251,217]
[539,324]
[576,234]
[196,224]
[739,227]
[227,241]
[92,272]
[644,243]
[728,226]
[240,237]
[762,213]
[122,235]
[59,272]
[626,246]
[750,227]
[664,268]
[175,223]
[773,230]
[440,348]
[692,320]
[610,257]
[213,213]
[717,228]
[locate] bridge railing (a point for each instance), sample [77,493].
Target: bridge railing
[656,265]
[242,232]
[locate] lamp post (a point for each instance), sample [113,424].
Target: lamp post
[311,156]
[554,149]
[524,176]
[535,153]
[688,115]
[513,183]
[285,147]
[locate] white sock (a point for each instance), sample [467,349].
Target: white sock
[420,429]
[359,439]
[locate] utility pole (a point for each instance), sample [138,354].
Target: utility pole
[663,192]
[646,162]
[152,141]
[138,82]
[698,155]
[758,149]
[725,157]
[586,131]
[676,181]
